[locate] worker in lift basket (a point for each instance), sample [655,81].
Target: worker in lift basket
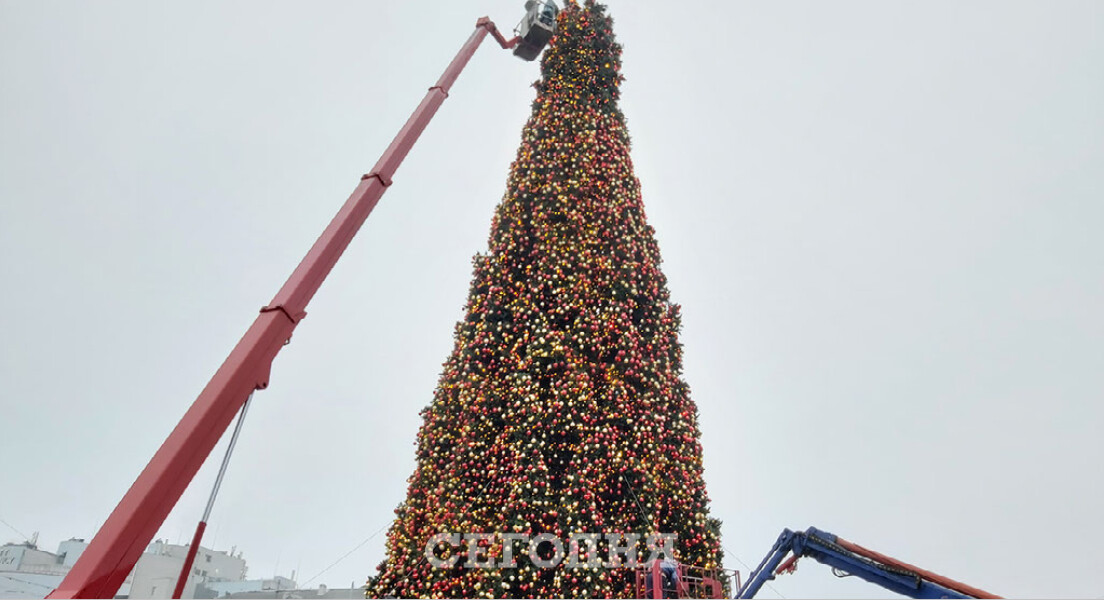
[669,573]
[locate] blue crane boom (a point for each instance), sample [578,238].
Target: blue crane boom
[853,559]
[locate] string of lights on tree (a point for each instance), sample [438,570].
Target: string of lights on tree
[561,409]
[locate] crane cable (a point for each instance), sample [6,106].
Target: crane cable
[647,521]
[334,564]
[21,534]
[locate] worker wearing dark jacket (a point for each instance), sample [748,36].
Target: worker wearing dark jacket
[669,578]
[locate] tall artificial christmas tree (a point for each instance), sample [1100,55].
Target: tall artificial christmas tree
[561,410]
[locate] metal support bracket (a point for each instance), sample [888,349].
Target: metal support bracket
[385,180]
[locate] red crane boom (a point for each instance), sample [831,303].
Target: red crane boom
[115,549]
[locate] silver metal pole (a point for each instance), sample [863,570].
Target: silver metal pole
[226,458]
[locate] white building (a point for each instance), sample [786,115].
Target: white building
[320,593]
[27,572]
[27,557]
[156,573]
[14,584]
[70,550]
[220,589]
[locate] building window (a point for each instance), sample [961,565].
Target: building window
[208,558]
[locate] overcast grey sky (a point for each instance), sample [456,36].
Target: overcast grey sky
[881,219]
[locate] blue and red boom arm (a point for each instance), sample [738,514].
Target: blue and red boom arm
[853,559]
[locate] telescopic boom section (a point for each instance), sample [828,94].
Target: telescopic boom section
[115,549]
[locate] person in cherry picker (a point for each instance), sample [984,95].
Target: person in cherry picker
[536,28]
[548,14]
[669,577]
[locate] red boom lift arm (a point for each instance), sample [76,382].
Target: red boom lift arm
[115,549]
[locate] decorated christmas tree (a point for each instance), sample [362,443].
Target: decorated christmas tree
[561,410]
